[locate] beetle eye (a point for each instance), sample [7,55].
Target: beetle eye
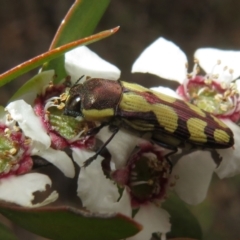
[78,99]
[73,107]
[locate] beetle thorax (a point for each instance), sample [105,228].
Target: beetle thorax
[100,98]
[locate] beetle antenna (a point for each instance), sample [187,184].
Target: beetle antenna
[77,81]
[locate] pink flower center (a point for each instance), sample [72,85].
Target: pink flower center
[63,130]
[15,156]
[146,175]
[219,98]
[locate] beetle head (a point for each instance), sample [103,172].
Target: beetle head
[74,102]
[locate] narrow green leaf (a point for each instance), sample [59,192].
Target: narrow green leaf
[6,233]
[63,223]
[33,87]
[80,21]
[184,223]
[47,56]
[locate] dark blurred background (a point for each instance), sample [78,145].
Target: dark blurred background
[27,28]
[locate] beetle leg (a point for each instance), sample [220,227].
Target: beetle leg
[217,158]
[89,160]
[169,160]
[167,146]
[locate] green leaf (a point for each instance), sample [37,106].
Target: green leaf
[47,56]
[63,223]
[33,87]
[80,21]
[6,233]
[184,223]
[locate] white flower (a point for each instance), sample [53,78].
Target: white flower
[100,194]
[164,59]
[23,136]
[24,115]
[92,185]
[20,189]
[82,61]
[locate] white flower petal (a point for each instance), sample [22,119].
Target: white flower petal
[121,145]
[98,193]
[59,159]
[164,59]
[30,124]
[195,172]
[51,198]
[208,58]
[167,91]
[153,219]
[20,189]
[82,61]
[237,82]
[230,165]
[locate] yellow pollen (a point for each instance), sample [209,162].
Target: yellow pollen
[172,184]
[208,81]
[50,85]
[61,106]
[150,182]
[9,118]
[227,93]
[7,130]
[27,141]
[63,97]
[13,151]
[16,128]
[218,97]
[231,71]
[223,107]
[219,62]
[223,85]
[194,95]
[158,204]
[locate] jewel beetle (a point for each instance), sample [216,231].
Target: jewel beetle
[173,122]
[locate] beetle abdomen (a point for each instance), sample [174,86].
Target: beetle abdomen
[172,116]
